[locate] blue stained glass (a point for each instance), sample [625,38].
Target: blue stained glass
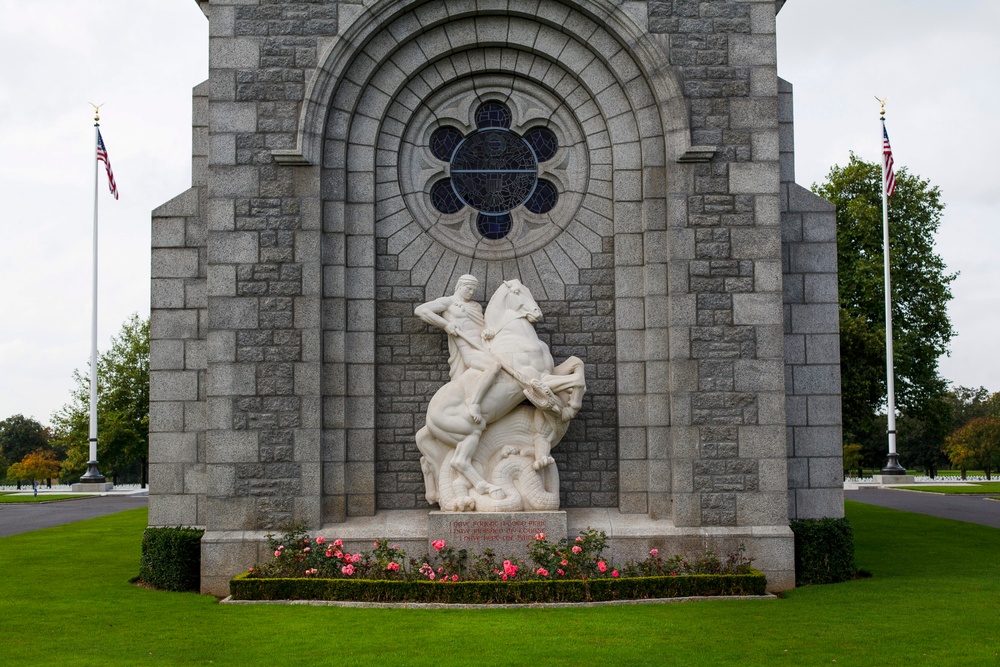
[493,170]
[543,142]
[444,198]
[493,114]
[443,142]
[493,227]
[543,199]
[493,150]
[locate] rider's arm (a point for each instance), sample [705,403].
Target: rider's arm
[430,312]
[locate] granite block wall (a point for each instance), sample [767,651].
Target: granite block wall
[812,340]
[178,352]
[692,275]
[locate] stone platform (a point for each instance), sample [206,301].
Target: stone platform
[893,479]
[225,554]
[91,487]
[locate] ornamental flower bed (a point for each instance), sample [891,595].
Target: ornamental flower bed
[576,570]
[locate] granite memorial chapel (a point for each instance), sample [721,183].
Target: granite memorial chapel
[461,268]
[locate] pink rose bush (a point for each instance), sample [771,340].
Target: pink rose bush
[297,555]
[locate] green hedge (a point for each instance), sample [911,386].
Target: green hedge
[171,558]
[243,587]
[824,551]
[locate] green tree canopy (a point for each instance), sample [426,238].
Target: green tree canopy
[922,432]
[122,408]
[20,435]
[967,404]
[920,294]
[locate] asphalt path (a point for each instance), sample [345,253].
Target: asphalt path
[21,518]
[972,509]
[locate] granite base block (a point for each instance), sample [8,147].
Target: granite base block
[506,533]
[893,479]
[91,487]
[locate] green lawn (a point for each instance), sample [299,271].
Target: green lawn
[976,488]
[868,472]
[932,600]
[42,497]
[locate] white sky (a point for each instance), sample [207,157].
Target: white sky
[933,60]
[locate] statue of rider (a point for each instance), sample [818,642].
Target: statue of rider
[462,319]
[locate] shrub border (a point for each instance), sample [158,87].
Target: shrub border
[245,588]
[171,558]
[824,551]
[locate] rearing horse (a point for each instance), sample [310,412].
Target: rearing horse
[510,337]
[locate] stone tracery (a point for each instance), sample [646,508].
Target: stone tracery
[493,170]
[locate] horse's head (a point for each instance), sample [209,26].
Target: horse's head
[511,301]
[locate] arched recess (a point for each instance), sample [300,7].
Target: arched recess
[612,251]
[367,29]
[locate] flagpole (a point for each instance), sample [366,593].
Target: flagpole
[892,466]
[93,475]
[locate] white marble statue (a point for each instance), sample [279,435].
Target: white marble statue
[481,448]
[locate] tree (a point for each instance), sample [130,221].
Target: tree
[19,436]
[922,432]
[852,458]
[920,294]
[967,404]
[35,467]
[122,408]
[975,445]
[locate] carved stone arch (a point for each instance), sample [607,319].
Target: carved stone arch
[386,21]
[624,217]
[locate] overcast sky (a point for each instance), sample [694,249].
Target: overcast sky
[934,60]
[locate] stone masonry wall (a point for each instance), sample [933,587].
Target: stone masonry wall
[288,373]
[812,340]
[263,278]
[249,380]
[177,355]
[729,467]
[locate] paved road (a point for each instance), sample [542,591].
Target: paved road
[973,509]
[17,518]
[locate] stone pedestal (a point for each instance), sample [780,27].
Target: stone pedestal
[506,533]
[893,479]
[91,487]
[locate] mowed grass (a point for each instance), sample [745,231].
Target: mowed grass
[979,488]
[932,600]
[41,498]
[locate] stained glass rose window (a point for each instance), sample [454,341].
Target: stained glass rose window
[494,170]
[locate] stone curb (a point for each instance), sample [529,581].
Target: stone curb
[536,605]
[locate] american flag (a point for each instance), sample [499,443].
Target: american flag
[890,177]
[102,156]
